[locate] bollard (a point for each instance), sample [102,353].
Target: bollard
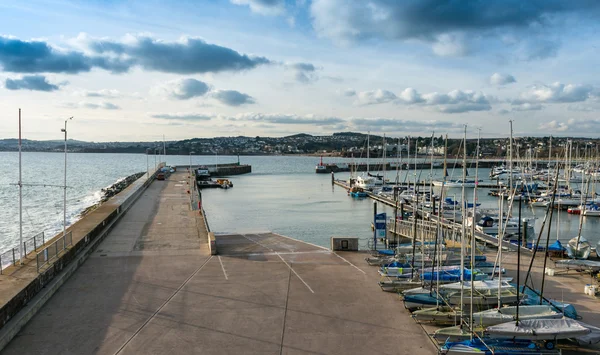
[332,178]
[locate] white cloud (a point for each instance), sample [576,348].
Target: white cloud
[263,7]
[527,107]
[183,116]
[502,79]
[183,89]
[451,45]
[558,93]
[91,105]
[456,101]
[378,96]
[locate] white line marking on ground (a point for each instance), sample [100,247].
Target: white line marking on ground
[300,241]
[356,267]
[295,273]
[223,268]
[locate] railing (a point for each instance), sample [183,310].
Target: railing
[205,220]
[11,256]
[52,251]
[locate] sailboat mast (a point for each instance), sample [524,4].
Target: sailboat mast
[20,197]
[473,230]
[368,148]
[431,173]
[383,165]
[463,229]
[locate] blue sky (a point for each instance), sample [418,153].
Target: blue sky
[138,70]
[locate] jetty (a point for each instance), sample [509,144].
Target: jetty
[159,281]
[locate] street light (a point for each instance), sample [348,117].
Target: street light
[65,181]
[147,166]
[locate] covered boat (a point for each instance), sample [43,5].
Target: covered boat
[493,346]
[507,314]
[441,315]
[538,329]
[579,250]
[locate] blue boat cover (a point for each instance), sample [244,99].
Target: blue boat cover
[386,252]
[556,246]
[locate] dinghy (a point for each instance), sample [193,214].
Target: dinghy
[539,329]
[441,315]
[579,250]
[506,314]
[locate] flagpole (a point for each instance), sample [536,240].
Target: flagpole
[20,197]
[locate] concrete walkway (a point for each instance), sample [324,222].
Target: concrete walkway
[151,287]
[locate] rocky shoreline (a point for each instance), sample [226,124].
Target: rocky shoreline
[112,190]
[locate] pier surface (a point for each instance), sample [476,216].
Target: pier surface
[152,287]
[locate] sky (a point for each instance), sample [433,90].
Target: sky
[140,70]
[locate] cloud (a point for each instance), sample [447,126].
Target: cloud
[378,96]
[183,89]
[557,93]
[91,105]
[410,96]
[303,72]
[289,119]
[396,125]
[456,101]
[30,82]
[19,56]
[104,93]
[502,79]
[183,116]
[585,127]
[451,45]
[232,97]
[263,7]
[527,107]
[187,56]
[442,22]
[349,92]
[535,49]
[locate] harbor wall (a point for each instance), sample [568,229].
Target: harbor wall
[222,169]
[87,234]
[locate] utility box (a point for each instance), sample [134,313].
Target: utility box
[344,244]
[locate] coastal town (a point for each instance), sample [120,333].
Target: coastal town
[345,144]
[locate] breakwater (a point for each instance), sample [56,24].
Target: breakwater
[28,286]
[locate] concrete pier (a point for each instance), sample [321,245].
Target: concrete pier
[152,287]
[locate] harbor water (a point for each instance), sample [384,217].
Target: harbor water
[282,194]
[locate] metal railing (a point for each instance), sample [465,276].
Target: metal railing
[52,251]
[11,256]
[205,220]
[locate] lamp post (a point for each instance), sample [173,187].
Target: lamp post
[147,165]
[155,159]
[65,181]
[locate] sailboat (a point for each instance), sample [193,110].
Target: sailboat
[366,181]
[578,248]
[508,313]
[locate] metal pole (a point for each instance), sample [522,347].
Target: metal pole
[65,182]
[374,225]
[147,165]
[20,197]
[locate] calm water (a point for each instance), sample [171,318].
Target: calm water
[283,195]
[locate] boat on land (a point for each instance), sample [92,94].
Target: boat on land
[440,315]
[507,314]
[578,249]
[549,330]
[476,346]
